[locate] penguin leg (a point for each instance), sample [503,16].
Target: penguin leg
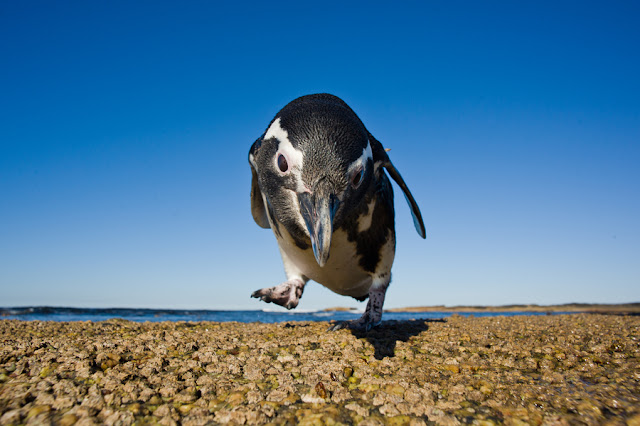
[372,316]
[288,293]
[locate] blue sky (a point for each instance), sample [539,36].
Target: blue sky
[125,127]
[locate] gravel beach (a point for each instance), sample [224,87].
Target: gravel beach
[554,369]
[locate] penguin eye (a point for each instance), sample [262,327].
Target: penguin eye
[283,165]
[356,178]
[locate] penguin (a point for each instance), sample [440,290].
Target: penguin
[318,182]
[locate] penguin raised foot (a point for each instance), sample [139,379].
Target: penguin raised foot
[286,294]
[319,182]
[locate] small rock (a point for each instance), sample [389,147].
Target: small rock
[38,409]
[11,417]
[162,411]
[277,395]
[185,408]
[396,390]
[321,391]
[453,368]
[353,406]
[236,398]
[389,410]
[68,420]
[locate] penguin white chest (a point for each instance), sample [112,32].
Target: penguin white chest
[341,274]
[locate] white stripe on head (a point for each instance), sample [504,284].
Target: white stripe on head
[295,157]
[367,154]
[276,131]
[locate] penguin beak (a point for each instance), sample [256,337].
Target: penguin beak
[318,212]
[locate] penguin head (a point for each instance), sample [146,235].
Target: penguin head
[313,163]
[312,166]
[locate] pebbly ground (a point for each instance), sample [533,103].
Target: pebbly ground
[559,369]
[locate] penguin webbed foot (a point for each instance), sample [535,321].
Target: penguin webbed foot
[287,294]
[372,316]
[363,324]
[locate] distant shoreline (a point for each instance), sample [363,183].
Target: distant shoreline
[96,314]
[602,308]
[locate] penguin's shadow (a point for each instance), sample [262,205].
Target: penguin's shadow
[385,336]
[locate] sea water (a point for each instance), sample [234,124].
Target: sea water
[140,315]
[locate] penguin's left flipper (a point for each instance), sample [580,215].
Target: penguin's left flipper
[372,316]
[287,294]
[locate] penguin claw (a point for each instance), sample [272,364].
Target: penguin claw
[338,326]
[356,325]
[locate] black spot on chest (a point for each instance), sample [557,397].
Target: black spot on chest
[369,243]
